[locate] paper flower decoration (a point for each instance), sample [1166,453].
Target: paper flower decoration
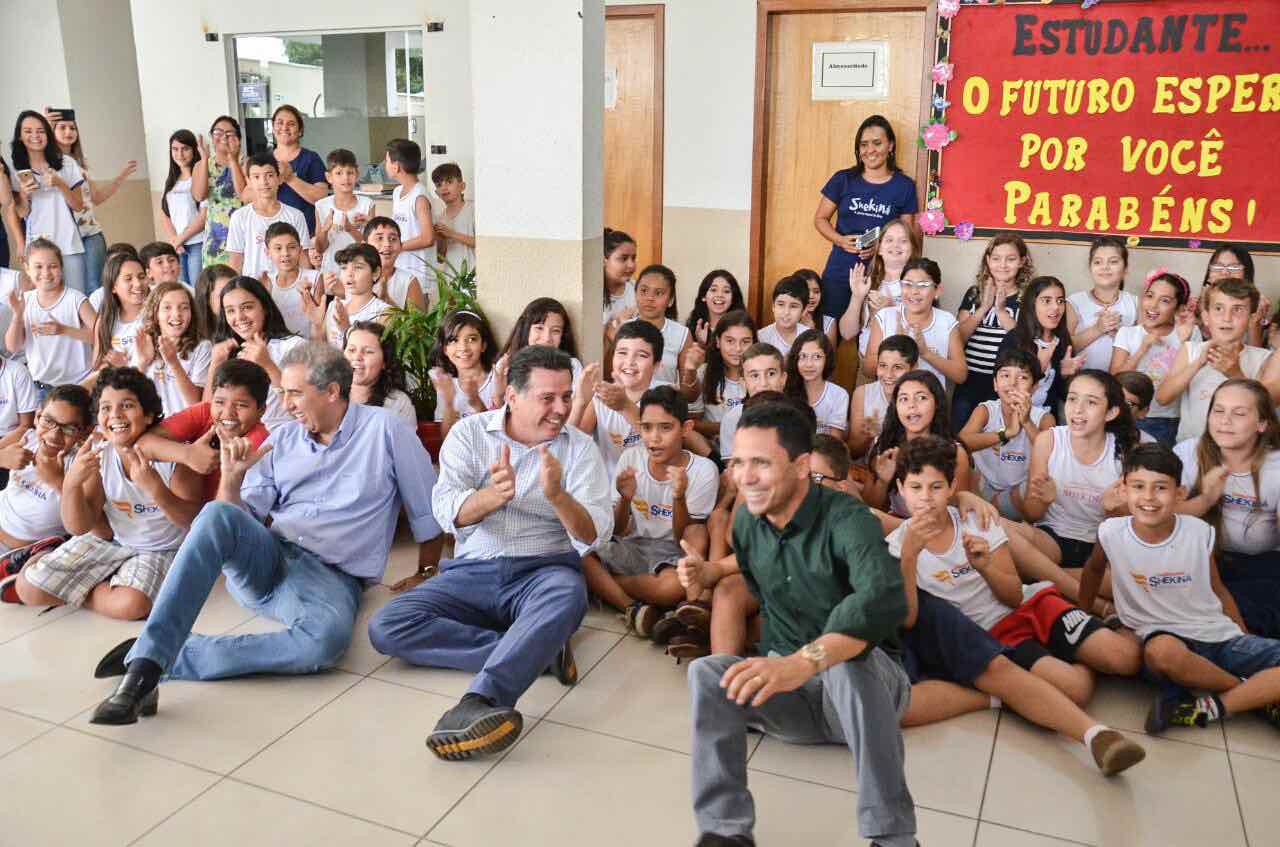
[1133,241]
[941,103]
[934,203]
[937,135]
[932,221]
[1087,4]
[943,71]
[1194,244]
[948,8]
[964,230]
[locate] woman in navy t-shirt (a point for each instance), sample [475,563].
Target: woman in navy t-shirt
[869,194]
[302,175]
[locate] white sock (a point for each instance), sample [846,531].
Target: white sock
[995,703]
[1092,733]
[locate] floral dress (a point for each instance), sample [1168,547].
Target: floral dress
[222,201]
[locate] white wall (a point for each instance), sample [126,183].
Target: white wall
[32,68]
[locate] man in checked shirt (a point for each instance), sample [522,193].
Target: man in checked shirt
[525,496]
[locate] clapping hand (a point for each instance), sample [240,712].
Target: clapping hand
[626,483]
[679,479]
[977,550]
[550,473]
[1042,488]
[612,395]
[1071,364]
[502,478]
[887,465]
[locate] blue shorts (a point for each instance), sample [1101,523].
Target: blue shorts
[1242,656]
[945,644]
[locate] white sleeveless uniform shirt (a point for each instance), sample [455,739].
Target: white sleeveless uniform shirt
[616,304]
[1077,510]
[275,413]
[370,311]
[674,335]
[338,235]
[732,394]
[30,509]
[1166,587]
[1004,466]
[137,521]
[124,334]
[1249,522]
[55,359]
[949,575]
[891,288]
[1098,354]
[832,409]
[403,213]
[196,365]
[1194,402]
[937,335]
[397,289]
[289,299]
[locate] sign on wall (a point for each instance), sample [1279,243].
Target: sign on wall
[851,70]
[1154,120]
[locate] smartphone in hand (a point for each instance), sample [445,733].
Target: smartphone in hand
[868,238]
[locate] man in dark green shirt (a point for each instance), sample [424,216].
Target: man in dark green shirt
[830,595]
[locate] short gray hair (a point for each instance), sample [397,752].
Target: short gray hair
[536,356]
[324,364]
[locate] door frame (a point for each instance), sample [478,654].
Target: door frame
[765,9]
[656,11]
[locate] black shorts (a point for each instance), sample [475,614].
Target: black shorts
[945,644]
[1046,624]
[1075,553]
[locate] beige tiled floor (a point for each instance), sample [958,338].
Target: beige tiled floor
[338,759]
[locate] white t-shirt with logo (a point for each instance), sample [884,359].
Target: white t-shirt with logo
[1249,523]
[949,575]
[247,235]
[1155,363]
[1098,354]
[17,394]
[1193,408]
[1166,587]
[289,299]
[651,508]
[732,395]
[30,509]
[614,433]
[55,359]
[1077,509]
[51,217]
[338,235]
[196,365]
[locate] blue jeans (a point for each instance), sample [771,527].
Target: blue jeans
[73,271]
[317,603]
[95,259]
[1164,430]
[502,619]
[192,259]
[1244,655]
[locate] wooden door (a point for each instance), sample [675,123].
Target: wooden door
[801,142]
[633,49]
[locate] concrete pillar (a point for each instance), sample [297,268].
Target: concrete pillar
[537,72]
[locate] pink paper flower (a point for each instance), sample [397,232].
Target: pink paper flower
[1194,243]
[948,8]
[937,136]
[932,221]
[943,71]
[964,230]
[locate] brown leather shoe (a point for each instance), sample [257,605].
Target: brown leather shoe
[1113,752]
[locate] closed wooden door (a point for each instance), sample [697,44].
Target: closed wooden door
[802,142]
[633,126]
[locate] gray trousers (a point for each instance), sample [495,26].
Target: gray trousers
[855,703]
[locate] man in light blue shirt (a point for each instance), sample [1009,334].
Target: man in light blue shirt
[332,482]
[525,496]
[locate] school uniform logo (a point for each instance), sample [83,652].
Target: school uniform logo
[135,510]
[949,575]
[35,489]
[1162,580]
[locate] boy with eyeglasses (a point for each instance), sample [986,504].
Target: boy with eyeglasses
[30,504]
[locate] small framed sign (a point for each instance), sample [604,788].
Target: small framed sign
[851,70]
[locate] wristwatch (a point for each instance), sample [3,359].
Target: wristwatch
[1002,435]
[816,653]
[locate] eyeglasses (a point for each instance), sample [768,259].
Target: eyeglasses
[69,430]
[919,285]
[221,133]
[1226,269]
[821,477]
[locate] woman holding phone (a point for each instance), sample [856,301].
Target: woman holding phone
[862,199]
[48,192]
[66,132]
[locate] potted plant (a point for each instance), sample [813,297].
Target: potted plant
[413,333]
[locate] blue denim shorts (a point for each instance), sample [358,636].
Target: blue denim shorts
[1242,656]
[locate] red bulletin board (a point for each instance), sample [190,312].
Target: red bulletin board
[1155,120]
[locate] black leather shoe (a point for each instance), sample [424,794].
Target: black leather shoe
[474,727]
[565,667]
[132,697]
[112,664]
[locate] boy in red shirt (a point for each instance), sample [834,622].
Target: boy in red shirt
[191,436]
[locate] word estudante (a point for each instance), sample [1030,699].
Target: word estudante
[1251,92]
[1160,214]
